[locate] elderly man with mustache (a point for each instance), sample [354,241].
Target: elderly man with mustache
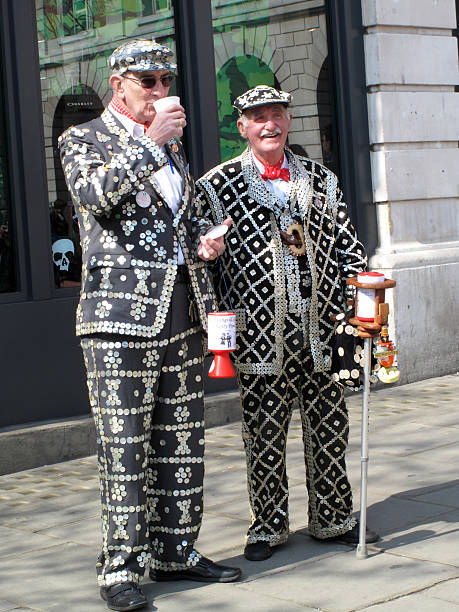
[288,254]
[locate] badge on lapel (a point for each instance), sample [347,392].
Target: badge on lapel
[143,199]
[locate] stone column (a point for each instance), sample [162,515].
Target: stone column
[411,71]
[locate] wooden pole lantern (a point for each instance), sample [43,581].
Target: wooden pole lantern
[371,314]
[370,305]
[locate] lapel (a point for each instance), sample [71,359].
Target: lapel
[172,150]
[124,139]
[256,186]
[301,184]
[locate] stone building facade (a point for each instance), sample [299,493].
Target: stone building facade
[412,77]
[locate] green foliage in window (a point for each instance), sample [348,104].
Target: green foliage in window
[76,16]
[150,7]
[69,17]
[235,77]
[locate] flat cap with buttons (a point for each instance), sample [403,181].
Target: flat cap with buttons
[141,54]
[259,96]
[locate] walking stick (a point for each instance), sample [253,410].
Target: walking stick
[362,552]
[371,314]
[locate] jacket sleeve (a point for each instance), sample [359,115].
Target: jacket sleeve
[202,214]
[98,182]
[350,252]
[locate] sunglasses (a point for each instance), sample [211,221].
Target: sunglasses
[150,81]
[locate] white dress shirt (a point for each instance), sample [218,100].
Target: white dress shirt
[278,186]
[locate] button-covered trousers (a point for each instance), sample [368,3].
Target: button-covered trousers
[147,401]
[267,407]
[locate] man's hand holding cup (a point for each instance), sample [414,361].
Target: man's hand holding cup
[169,121]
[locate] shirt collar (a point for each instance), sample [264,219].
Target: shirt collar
[133,127]
[260,165]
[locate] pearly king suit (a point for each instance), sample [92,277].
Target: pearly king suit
[283,305]
[141,318]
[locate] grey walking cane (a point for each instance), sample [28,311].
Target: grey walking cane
[367,328]
[362,551]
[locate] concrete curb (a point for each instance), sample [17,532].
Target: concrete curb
[31,447]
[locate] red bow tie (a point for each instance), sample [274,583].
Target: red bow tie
[272,173]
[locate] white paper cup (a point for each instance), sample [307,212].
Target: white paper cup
[164,103]
[216,231]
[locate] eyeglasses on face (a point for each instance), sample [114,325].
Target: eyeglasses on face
[149,82]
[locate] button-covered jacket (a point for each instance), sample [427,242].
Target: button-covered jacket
[257,266]
[129,236]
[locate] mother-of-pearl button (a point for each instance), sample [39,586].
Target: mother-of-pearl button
[143,199]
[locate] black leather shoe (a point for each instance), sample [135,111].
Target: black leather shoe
[352,536]
[257,551]
[205,570]
[123,596]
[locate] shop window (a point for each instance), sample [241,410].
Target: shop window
[78,104]
[69,17]
[77,16]
[232,79]
[7,245]
[325,112]
[150,7]
[282,43]
[75,89]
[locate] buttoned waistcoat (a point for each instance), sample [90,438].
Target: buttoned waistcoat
[255,261]
[130,241]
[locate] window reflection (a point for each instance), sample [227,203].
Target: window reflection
[65,241]
[282,43]
[75,38]
[7,254]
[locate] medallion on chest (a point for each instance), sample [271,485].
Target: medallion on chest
[143,199]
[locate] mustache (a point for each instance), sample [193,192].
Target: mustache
[266,132]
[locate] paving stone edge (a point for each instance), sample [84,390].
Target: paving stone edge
[44,444]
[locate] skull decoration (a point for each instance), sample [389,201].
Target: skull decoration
[63,249]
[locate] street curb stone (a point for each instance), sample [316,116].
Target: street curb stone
[48,443]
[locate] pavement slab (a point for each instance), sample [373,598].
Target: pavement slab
[437,541]
[221,597]
[86,532]
[60,577]
[373,580]
[412,475]
[394,513]
[447,591]
[6,606]
[446,494]
[220,533]
[421,603]
[410,438]
[50,531]
[16,541]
